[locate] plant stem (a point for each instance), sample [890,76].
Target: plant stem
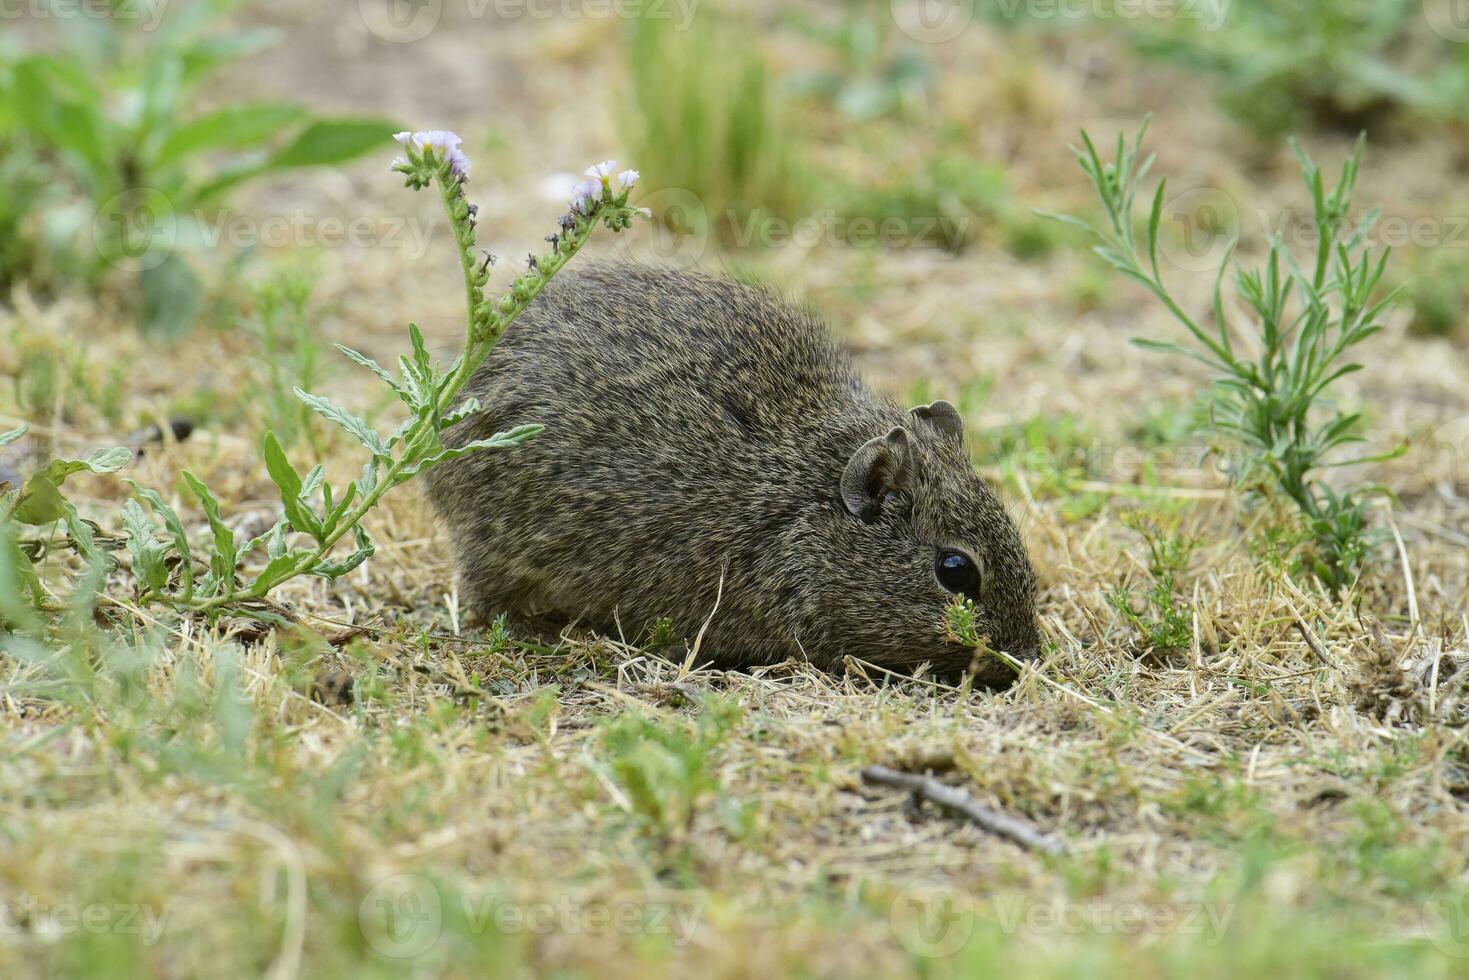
[477,348]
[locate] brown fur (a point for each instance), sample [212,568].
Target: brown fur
[697,430]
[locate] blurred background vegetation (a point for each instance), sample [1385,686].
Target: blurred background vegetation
[120,143]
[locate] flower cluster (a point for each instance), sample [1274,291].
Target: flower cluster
[427,152]
[598,187]
[435,156]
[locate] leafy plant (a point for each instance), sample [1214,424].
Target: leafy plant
[290,351]
[1303,324]
[113,115]
[1281,66]
[1164,623]
[869,80]
[312,506]
[26,188]
[666,771]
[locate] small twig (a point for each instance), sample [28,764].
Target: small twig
[1311,641]
[1000,824]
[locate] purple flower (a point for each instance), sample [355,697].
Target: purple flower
[444,144]
[627,179]
[602,171]
[585,193]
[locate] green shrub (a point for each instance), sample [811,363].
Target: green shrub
[1280,67]
[1304,320]
[868,78]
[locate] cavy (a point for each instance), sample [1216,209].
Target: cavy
[705,441]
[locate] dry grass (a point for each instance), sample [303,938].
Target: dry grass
[1284,793]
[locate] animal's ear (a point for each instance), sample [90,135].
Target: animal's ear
[876,473]
[944,417]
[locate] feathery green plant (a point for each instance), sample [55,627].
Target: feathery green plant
[1273,401]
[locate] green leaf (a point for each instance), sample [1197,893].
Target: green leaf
[331,141]
[81,534]
[225,557]
[288,481]
[72,124]
[41,501]
[17,578]
[464,411]
[147,554]
[371,365]
[332,413]
[172,297]
[6,438]
[106,460]
[162,83]
[230,128]
[500,440]
[324,142]
[336,569]
[175,528]
[280,568]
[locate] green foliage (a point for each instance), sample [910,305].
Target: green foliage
[961,621]
[667,771]
[168,568]
[40,500]
[1438,292]
[1164,623]
[21,215]
[290,351]
[868,79]
[1279,67]
[704,118]
[961,195]
[962,627]
[1304,322]
[131,159]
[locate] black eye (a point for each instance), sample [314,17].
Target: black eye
[957,572]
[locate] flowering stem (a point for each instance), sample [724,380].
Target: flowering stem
[431,395]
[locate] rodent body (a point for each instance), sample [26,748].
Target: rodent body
[708,444]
